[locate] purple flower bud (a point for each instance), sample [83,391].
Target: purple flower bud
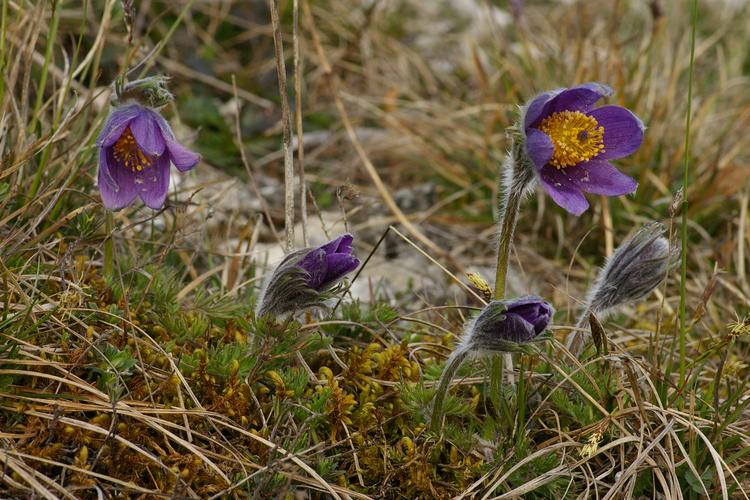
[330,262]
[305,278]
[136,148]
[504,324]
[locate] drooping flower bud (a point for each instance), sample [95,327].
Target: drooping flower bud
[506,325]
[502,326]
[305,278]
[636,267]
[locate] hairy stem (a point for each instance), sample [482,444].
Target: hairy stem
[452,365]
[515,184]
[577,337]
[514,187]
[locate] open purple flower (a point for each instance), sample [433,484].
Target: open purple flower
[305,277]
[503,324]
[136,147]
[570,144]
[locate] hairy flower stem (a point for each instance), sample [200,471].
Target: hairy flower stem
[577,338]
[516,181]
[452,365]
[515,185]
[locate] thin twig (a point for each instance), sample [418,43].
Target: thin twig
[298,121]
[286,122]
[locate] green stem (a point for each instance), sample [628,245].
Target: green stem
[513,190]
[51,38]
[514,186]
[451,367]
[109,249]
[685,185]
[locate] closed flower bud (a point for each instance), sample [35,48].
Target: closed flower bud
[502,326]
[636,267]
[305,278]
[505,325]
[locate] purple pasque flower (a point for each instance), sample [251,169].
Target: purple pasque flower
[329,263]
[306,277]
[504,324]
[570,144]
[136,148]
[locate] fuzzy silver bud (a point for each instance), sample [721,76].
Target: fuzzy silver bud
[635,269]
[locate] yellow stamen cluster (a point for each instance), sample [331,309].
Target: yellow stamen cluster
[576,137]
[127,152]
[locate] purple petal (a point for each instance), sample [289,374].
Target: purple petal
[579,98]
[342,244]
[515,329]
[523,300]
[598,176]
[153,183]
[563,190]
[339,265]
[116,183]
[182,157]
[536,107]
[539,147]
[623,131]
[316,265]
[532,309]
[117,121]
[166,130]
[529,312]
[147,134]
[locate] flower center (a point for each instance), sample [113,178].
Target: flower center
[576,137]
[127,152]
